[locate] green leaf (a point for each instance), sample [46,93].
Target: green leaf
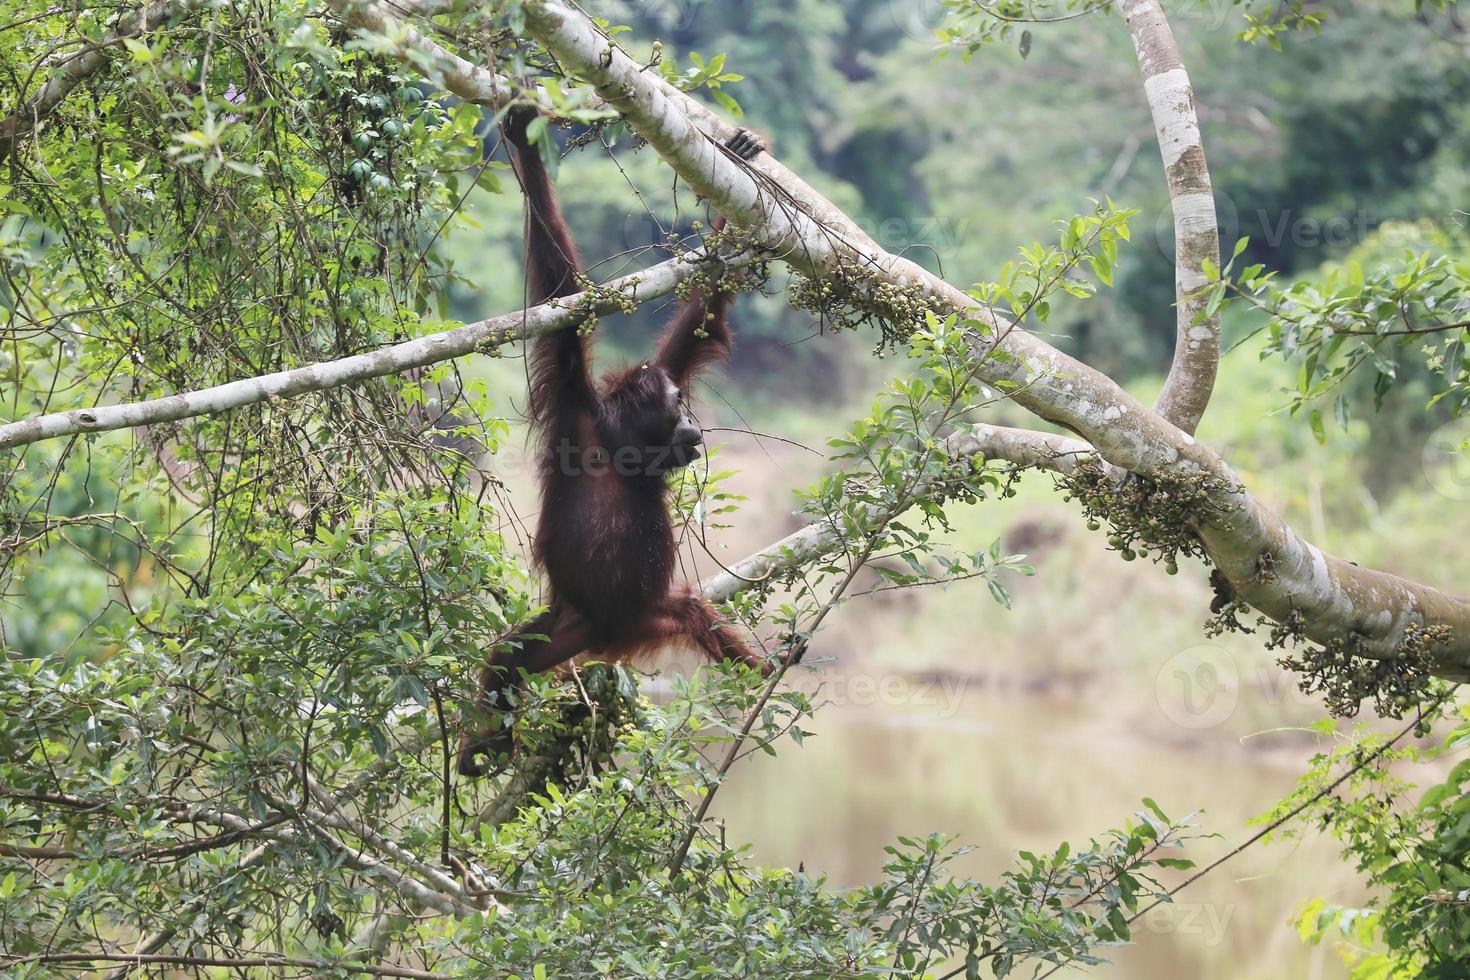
[140,52]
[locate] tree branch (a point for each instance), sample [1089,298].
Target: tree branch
[157,940]
[1270,566]
[1027,449]
[1196,238]
[466,80]
[469,81]
[486,335]
[411,888]
[76,68]
[226,962]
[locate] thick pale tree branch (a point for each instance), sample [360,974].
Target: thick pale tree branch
[1270,566]
[486,335]
[76,68]
[1196,241]
[1023,447]
[469,81]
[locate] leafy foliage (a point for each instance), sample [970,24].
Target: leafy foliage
[239,647]
[1353,321]
[1414,852]
[245,759]
[305,718]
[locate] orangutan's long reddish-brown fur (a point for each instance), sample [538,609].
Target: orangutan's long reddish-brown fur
[604,537]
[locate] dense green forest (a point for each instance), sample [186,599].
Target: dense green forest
[243,619]
[1314,151]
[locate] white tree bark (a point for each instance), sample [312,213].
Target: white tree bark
[1035,450]
[469,81]
[1196,238]
[1271,566]
[484,336]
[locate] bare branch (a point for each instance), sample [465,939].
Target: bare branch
[333,816]
[428,895]
[1196,241]
[486,335]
